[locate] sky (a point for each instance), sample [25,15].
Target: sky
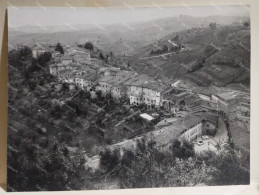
[50,16]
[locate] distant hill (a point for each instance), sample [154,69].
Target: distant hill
[119,38]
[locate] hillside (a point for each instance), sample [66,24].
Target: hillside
[218,56]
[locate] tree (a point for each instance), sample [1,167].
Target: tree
[127,158]
[111,54]
[65,86]
[189,172]
[25,53]
[165,48]
[99,94]
[176,148]
[36,167]
[187,150]
[18,58]
[89,45]
[32,85]
[59,48]
[246,25]
[182,150]
[101,55]
[233,167]
[44,58]
[84,94]
[109,159]
[56,111]
[213,25]
[176,38]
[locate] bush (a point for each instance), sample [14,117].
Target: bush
[99,94]
[127,158]
[182,150]
[44,58]
[89,45]
[109,159]
[233,167]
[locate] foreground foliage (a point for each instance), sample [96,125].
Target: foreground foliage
[151,167]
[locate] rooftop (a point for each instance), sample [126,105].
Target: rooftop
[227,95]
[171,132]
[147,116]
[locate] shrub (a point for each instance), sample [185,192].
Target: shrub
[182,150]
[109,159]
[89,45]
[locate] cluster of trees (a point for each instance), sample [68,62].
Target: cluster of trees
[70,110]
[38,154]
[150,167]
[23,61]
[19,58]
[59,48]
[40,63]
[104,99]
[42,162]
[182,150]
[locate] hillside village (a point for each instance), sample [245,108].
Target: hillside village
[95,109]
[78,69]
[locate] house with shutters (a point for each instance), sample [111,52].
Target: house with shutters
[144,90]
[86,80]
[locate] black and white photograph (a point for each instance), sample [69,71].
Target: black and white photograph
[134,97]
